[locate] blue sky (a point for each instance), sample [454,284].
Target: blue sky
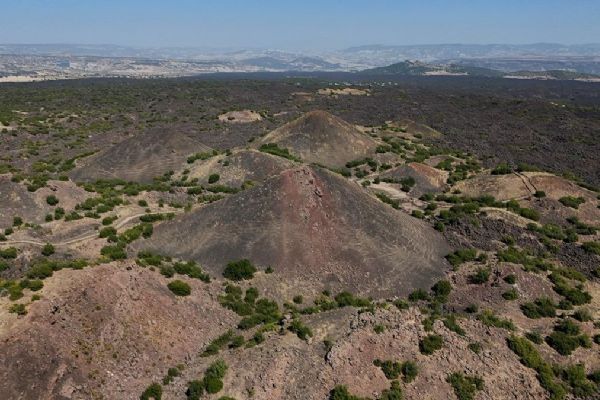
[298,25]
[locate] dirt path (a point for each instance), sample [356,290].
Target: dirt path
[87,236]
[527,182]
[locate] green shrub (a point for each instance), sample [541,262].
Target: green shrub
[481,276]
[530,357]
[510,279]
[237,341]
[451,323]
[511,294]
[393,393]
[488,318]
[142,203]
[574,295]
[409,371]
[566,337]
[565,344]
[542,307]
[213,377]
[418,294]
[502,169]
[582,315]
[461,256]
[47,250]
[340,392]
[171,374]
[216,345]
[239,270]
[465,387]
[109,220]
[472,308]
[195,390]
[114,252]
[581,386]
[213,178]
[570,201]
[274,149]
[107,232]
[18,309]
[17,221]
[153,391]
[529,214]
[441,290]
[391,369]
[475,347]
[179,288]
[592,247]
[345,299]
[535,337]
[301,330]
[298,299]
[201,156]
[430,343]
[52,200]
[192,270]
[9,252]
[35,285]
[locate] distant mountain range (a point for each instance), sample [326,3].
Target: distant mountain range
[550,60]
[417,68]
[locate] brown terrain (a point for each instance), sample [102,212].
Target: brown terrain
[322,138]
[139,158]
[353,266]
[317,230]
[241,166]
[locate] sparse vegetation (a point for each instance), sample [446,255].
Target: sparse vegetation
[153,392]
[239,270]
[465,387]
[274,149]
[430,344]
[542,307]
[179,288]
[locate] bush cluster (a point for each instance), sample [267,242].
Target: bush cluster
[179,288]
[465,387]
[239,270]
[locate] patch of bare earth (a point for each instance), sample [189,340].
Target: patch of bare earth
[240,117]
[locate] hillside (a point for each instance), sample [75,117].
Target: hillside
[140,158]
[322,138]
[243,166]
[316,230]
[446,247]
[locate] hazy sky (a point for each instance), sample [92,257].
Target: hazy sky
[302,24]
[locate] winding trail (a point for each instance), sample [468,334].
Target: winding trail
[87,236]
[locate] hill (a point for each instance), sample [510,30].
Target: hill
[101,329]
[316,230]
[140,158]
[417,68]
[322,138]
[239,167]
[427,179]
